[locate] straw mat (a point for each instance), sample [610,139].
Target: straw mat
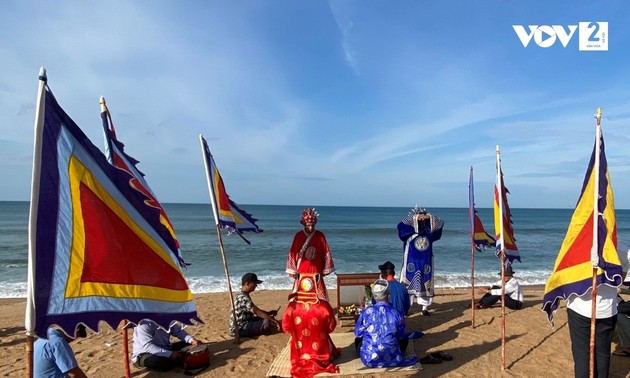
[349,363]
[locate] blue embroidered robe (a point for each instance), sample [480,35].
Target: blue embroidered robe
[418,238]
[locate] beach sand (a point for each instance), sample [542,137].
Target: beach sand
[533,348]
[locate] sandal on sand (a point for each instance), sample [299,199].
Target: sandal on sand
[442,356]
[429,359]
[623,353]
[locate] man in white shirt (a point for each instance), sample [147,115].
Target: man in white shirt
[513,292]
[579,318]
[152,347]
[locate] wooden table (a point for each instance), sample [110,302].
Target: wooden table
[351,291]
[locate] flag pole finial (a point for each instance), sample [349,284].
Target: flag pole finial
[598,115]
[101,101]
[42,74]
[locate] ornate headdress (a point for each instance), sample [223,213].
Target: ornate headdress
[380,289]
[307,289]
[309,216]
[418,210]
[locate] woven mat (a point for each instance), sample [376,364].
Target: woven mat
[349,363]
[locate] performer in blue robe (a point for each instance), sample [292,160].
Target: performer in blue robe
[418,231]
[380,336]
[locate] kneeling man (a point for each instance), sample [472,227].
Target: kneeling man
[310,320]
[380,334]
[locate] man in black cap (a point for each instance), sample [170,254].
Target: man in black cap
[398,296]
[252,321]
[513,292]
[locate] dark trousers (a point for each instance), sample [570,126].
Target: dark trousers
[402,344]
[159,363]
[255,327]
[580,332]
[488,300]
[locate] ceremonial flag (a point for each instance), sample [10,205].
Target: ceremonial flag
[591,238]
[480,239]
[94,253]
[503,218]
[116,155]
[227,214]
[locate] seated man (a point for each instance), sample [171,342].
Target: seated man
[310,320]
[513,292]
[623,328]
[252,321]
[53,357]
[623,310]
[398,296]
[152,347]
[380,332]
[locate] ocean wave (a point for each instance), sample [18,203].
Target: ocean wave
[199,285]
[13,290]
[218,284]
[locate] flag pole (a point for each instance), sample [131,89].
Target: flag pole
[229,284]
[30,314]
[502,241]
[108,124]
[105,109]
[220,238]
[124,332]
[595,246]
[472,285]
[471,214]
[125,348]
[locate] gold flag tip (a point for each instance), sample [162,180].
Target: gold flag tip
[103,104]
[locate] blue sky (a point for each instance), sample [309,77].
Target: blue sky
[358,103]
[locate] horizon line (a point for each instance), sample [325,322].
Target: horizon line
[360,206]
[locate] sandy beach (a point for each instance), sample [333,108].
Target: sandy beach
[533,347]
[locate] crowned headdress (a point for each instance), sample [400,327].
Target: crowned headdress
[418,210]
[309,216]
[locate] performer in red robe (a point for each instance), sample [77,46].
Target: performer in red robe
[309,252]
[310,320]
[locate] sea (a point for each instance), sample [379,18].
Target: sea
[360,238]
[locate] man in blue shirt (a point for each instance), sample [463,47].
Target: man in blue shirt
[398,296]
[380,332]
[53,357]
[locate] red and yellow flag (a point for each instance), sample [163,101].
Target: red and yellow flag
[94,250]
[479,237]
[584,247]
[227,214]
[503,227]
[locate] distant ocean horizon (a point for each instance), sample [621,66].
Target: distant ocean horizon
[360,238]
